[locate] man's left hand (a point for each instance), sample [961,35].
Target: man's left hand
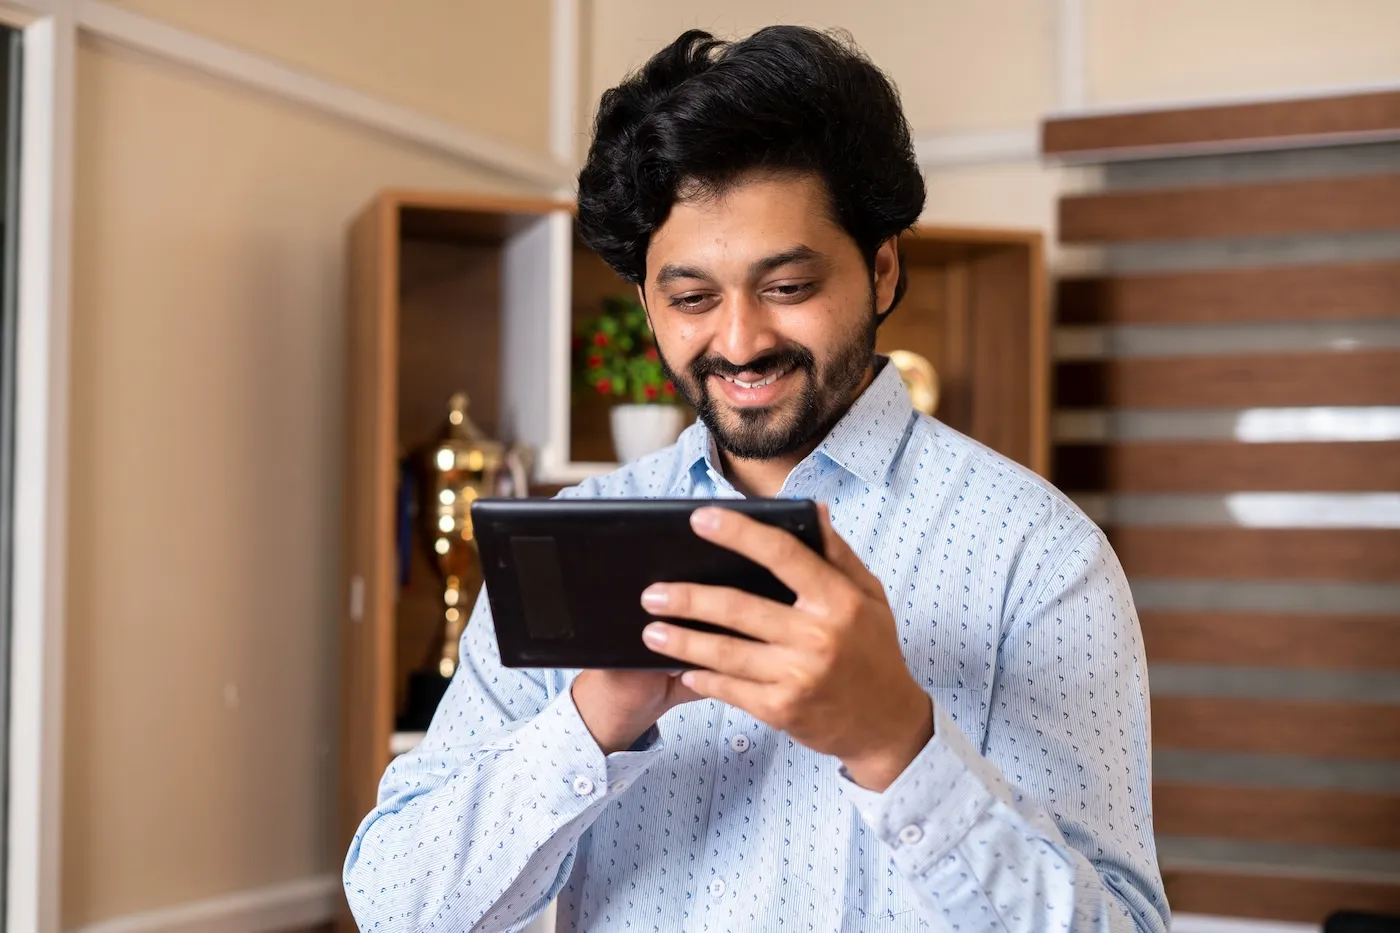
[827,670]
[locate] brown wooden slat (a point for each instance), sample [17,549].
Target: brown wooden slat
[1360,377]
[1227,466]
[1293,640]
[1226,127]
[1340,291]
[1308,728]
[1272,897]
[1327,205]
[1301,816]
[1230,553]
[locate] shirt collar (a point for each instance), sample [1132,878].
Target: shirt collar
[693,447]
[863,442]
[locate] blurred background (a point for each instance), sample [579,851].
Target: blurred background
[1224,372]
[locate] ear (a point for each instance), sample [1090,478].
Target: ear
[886,274]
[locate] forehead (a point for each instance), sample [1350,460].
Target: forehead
[754,217]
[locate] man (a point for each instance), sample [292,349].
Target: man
[947,731]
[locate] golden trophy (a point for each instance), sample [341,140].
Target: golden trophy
[919,378]
[459,467]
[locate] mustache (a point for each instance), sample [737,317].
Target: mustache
[781,360]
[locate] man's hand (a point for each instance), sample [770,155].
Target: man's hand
[827,670]
[618,706]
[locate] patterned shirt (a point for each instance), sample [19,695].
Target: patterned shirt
[1029,810]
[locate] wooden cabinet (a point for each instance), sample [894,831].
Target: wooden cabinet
[456,292]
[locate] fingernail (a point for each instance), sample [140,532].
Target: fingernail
[656,596]
[706,519]
[654,634]
[688,678]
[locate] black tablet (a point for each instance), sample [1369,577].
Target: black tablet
[565,576]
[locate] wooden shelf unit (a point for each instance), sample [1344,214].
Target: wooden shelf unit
[454,291]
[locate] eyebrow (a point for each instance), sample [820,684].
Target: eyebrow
[673,271]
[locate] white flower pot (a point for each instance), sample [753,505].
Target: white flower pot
[638,430]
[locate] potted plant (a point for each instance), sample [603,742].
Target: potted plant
[618,359]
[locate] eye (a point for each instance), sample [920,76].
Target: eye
[792,291]
[691,302]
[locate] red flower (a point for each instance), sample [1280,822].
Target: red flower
[604,386]
[650,392]
[600,339]
[595,360]
[670,387]
[651,353]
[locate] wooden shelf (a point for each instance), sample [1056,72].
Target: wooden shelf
[452,291]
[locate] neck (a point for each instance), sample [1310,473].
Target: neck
[764,479]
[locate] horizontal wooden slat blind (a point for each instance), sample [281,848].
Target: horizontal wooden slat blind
[1373,115]
[1356,554]
[1278,814]
[1224,466]
[1342,291]
[1250,723]
[1358,377]
[1274,897]
[1325,641]
[1306,728]
[1331,205]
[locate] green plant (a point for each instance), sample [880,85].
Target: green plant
[616,354]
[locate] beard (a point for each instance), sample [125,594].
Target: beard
[771,431]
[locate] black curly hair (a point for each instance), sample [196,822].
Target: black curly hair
[703,112]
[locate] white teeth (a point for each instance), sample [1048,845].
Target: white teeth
[766,380]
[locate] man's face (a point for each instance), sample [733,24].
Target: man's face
[764,312]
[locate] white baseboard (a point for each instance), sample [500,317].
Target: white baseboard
[1204,923]
[261,910]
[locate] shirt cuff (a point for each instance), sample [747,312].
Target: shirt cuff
[931,806]
[557,743]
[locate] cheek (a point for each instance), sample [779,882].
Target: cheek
[681,340]
[819,325]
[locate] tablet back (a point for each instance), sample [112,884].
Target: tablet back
[565,576]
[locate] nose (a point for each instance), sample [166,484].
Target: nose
[743,330]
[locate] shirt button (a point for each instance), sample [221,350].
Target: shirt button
[717,888]
[583,786]
[740,743]
[617,787]
[911,834]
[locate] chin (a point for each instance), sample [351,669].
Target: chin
[756,434]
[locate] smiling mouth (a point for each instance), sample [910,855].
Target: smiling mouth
[766,380]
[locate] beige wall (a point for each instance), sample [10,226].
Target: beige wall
[207,424]
[959,66]
[480,65]
[1146,50]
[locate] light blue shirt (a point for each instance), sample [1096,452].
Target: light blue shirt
[1029,810]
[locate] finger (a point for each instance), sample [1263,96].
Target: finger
[800,569]
[727,654]
[747,695]
[840,554]
[734,609]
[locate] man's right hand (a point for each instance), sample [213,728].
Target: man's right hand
[618,706]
